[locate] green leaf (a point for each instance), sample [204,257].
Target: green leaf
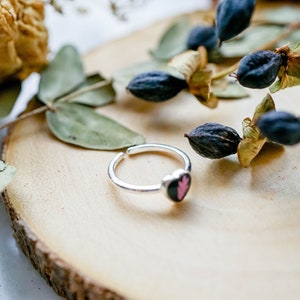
[123,76]
[293,39]
[6,174]
[62,75]
[82,126]
[229,90]
[173,41]
[252,39]
[9,93]
[97,97]
[282,15]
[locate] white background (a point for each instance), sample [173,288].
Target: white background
[96,26]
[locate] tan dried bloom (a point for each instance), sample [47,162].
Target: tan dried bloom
[23,38]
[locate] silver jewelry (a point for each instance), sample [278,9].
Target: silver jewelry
[175,185]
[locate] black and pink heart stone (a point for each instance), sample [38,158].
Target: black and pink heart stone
[177,184]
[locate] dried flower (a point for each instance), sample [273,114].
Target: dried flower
[24,38]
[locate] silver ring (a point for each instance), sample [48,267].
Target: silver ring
[175,185]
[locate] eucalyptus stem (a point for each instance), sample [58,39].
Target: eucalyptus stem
[51,106]
[31,113]
[84,90]
[288,31]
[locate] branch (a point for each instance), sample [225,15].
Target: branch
[271,44]
[51,104]
[84,90]
[25,116]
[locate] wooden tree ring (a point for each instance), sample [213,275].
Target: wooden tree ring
[235,236]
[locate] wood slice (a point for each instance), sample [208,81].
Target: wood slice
[235,236]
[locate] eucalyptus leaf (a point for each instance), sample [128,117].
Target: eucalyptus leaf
[9,93]
[284,15]
[123,76]
[80,125]
[173,41]
[292,39]
[7,172]
[252,39]
[229,90]
[64,73]
[96,97]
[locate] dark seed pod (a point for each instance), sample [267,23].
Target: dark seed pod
[259,69]
[213,140]
[156,86]
[232,17]
[280,127]
[202,36]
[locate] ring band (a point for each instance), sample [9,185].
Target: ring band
[176,185]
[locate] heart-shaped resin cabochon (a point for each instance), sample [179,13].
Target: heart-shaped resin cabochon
[177,184]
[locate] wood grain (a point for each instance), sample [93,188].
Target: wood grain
[235,236]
